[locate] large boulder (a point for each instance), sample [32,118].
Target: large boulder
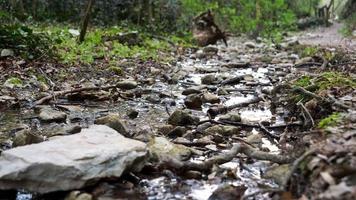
[71,162]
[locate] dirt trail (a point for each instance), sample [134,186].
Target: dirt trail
[328,36]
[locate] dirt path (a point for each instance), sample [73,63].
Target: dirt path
[328,36]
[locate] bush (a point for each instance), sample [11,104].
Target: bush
[24,42]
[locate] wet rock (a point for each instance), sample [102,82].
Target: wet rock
[254,139]
[182,118]
[222,91]
[277,173]
[177,132]
[211,50]
[153,98]
[233,117]
[193,90]
[77,195]
[222,130]
[164,129]
[115,122]
[127,84]
[25,137]
[202,127]
[71,162]
[251,45]
[193,101]
[61,129]
[132,113]
[192,174]
[209,79]
[237,65]
[162,149]
[303,61]
[47,114]
[7,53]
[210,98]
[228,192]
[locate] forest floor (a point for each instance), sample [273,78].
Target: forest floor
[249,121]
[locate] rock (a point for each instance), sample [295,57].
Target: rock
[71,162]
[61,129]
[162,149]
[193,101]
[222,130]
[127,85]
[233,117]
[77,195]
[277,173]
[7,53]
[25,137]
[164,129]
[132,113]
[181,118]
[303,60]
[250,45]
[153,98]
[228,192]
[193,90]
[209,79]
[47,114]
[113,121]
[177,132]
[211,50]
[210,98]
[222,91]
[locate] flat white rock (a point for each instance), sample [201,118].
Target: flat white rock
[71,162]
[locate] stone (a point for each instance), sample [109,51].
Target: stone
[132,114]
[222,91]
[115,122]
[210,98]
[61,129]
[211,50]
[7,53]
[193,90]
[47,114]
[182,118]
[77,195]
[25,137]
[303,61]
[209,79]
[71,162]
[277,173]
[162,149]
[222,130]
[164,129]
[228,192]
[193,101]
[127,84]
[233,117]
[250,45]
[177,132]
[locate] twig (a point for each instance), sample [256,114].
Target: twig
[226,157]
[270,135]
[307,112]
[64,92]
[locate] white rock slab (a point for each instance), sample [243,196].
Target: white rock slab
[71,162]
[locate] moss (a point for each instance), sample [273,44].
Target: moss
[116,70]
[303,81]
[14,81]
[335,79]
[331,120]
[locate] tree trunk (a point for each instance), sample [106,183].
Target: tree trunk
[85,21]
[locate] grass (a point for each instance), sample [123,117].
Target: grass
[95,47]
[331,120]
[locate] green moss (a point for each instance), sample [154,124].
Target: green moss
[116,70]
[331,120]
[14,81]
[335,79]
[303,81]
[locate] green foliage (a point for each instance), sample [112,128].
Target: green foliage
[25,42]
[95,47]
[303,81]
[14,81]
[331,120]
[349,26]
[309,51]
[245,16]
[335,79]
